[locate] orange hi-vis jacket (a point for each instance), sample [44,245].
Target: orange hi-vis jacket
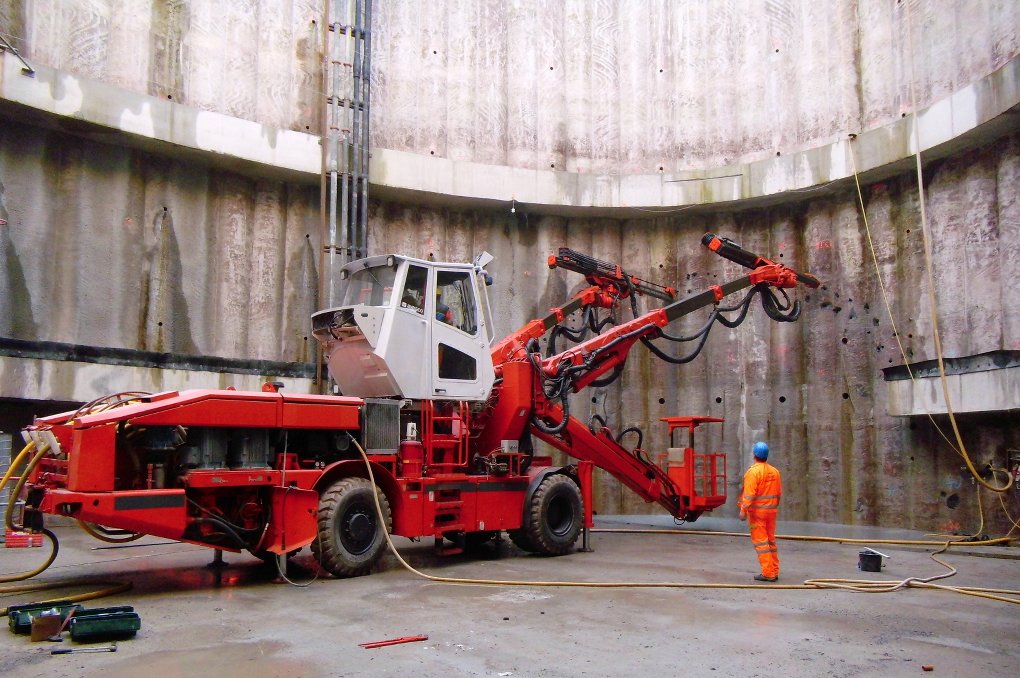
[762,488]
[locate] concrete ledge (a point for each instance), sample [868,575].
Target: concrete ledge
[82,382]
[74,104]
[976,114]
[988,391]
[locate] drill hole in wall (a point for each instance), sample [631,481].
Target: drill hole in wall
[953,500]
[718,399]
[782,399]
[662,401]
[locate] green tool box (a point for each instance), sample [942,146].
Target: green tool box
[19,617]
[111,623]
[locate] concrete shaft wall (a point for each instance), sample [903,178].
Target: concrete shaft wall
[620,86]
[108,244]
[637,86]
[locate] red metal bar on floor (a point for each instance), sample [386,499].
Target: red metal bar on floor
[393,641]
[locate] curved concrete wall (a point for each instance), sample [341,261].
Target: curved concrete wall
[603,86]
[149,235]
[638,87]
[259,61]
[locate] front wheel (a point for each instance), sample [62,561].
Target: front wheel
[351,536]
[554,519]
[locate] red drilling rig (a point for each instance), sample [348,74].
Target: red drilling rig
[445,416]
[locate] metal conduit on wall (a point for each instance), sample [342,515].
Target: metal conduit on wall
[345,154]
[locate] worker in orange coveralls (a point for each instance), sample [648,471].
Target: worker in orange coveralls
[759,502]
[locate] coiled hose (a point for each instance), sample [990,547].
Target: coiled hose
[110,588]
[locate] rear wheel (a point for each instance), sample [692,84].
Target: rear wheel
[521,540]
[554,520]
[351,536]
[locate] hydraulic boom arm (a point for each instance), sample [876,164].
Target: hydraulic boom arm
[592,359]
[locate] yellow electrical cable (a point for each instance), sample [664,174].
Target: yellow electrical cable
[1015,524]
[803,537]
[960,448]
[808,585]
[936,335]
[873,586]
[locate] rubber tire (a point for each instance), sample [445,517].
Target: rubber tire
[555,518]
[522,541]
[347,504]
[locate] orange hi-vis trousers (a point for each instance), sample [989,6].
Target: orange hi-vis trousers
[763,535]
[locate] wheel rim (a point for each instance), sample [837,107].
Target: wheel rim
[561,515]
[357,529]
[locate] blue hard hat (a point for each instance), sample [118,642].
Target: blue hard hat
[760,451]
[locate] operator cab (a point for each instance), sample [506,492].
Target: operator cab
[409,328]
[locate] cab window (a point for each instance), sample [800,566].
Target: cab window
[455,300]
[413,296]
[370,286]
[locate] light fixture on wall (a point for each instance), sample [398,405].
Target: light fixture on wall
[513,205]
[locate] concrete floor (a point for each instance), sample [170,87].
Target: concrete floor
[237,622]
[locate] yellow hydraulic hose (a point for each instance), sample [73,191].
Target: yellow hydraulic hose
[16,492]
[9,514]
[14,464]
[90,529]
[111,589]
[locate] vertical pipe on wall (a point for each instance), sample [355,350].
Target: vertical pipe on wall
[366,75]
[355,129]
[345,132]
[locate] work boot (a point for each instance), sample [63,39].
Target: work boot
[761,577]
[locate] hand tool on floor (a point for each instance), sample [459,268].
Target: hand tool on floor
[75,650]
[394,641]
[56,637]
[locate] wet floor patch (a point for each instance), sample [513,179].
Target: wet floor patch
[263,658]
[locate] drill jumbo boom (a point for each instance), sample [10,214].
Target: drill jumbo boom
[445,417]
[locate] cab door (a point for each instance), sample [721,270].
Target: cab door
[461,364]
